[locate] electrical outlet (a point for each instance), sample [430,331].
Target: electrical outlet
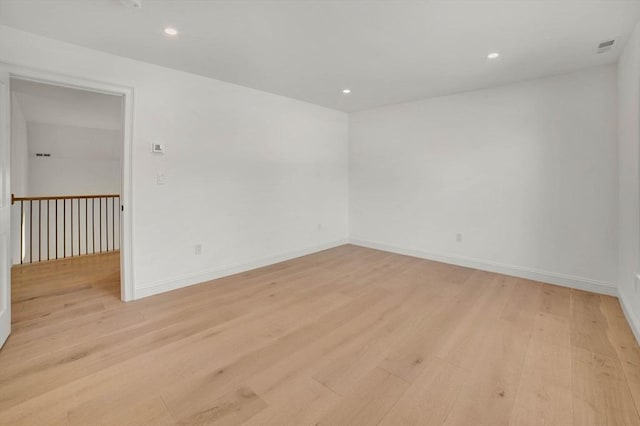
[459,237]
[160,179]
[319,227]
[198,249]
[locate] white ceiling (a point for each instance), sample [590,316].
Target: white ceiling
[44,103]
[385,51]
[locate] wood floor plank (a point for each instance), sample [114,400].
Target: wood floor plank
[623,341]
[57,338]
[151,411]
[556,300]
[488,395]
[472,327]
[437,326]
[297,401]
[209,382]
[369,402]
[230,409]
[601,395]
[346,367]
[589,325]
[345,336]
[544,395]
[366,323]
[430,397]
[211,347]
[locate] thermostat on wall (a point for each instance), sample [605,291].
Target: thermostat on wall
[157,148]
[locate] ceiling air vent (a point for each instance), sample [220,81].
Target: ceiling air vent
[605,45]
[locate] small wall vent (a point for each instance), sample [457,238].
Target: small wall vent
[42,154]
[605,46]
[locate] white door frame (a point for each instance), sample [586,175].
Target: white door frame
[5,207]
[126,230]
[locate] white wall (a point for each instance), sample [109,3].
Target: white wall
[526,172]
[19,168]
[629,177]
[67,176]
[249,175]
[19,150]
[83,160]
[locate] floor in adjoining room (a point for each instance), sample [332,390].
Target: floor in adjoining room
[347,336]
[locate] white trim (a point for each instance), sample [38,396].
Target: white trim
[632,319]
[5,207]
[200,277]
[126,230]
[570,281]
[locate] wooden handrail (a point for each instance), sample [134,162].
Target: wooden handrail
[61,197]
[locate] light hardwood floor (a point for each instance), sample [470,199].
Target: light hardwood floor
[347,336]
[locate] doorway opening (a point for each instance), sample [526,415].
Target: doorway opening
[70,142]
[66,147]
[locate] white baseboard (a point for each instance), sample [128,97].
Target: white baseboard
[200,277]
[579,283]
[632,319]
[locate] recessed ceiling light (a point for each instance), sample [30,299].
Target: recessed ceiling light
[346,91]
[493,55]
[171,31]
